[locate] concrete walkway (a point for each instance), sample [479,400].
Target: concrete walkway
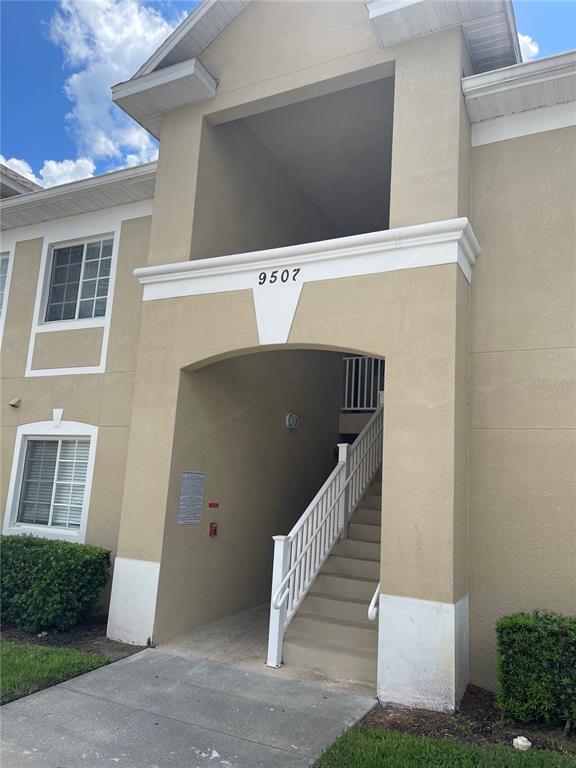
[159,709]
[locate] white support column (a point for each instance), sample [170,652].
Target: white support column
[277,615]
[422,652]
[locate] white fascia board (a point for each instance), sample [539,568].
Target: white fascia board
[166,76]
[148,97]
[100,183]
[173,39]
[528,88]
[441,242]
[526,73]
[396,21]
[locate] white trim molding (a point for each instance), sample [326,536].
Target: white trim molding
[524,124]
[133,601]
[531,97]
[55,430]
[489,28]
[82,227]
[422,652]
[148,97]
[274,275]
[9,252]
[117,188]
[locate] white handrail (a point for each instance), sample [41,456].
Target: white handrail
[299,556]
[373,607]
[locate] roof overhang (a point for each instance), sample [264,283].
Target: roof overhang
[130,185]
[489,26]
[148,97]
[546,82]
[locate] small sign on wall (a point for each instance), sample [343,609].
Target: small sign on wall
[191,498]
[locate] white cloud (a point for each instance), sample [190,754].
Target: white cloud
[105,42]
[529,48]
[53,172]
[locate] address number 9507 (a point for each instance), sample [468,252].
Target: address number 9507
[278,276]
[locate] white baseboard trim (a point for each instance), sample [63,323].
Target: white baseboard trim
[422,652]
[133,601]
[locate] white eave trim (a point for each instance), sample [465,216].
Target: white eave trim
[489,28]
[167,76]
[148,97]
[531,97]
[423,245]
[86,195]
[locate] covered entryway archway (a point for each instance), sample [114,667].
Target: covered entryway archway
[401,295]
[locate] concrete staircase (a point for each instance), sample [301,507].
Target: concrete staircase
[330,633]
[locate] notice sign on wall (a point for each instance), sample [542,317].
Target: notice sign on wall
[191,498]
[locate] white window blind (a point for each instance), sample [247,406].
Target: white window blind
[79,281]
[53,483]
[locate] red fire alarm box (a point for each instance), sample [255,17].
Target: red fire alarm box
[213,529]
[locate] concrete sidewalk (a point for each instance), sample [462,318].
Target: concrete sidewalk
[158,709]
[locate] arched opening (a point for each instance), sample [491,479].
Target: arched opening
[255,437]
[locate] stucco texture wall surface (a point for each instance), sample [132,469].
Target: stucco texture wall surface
[523,386]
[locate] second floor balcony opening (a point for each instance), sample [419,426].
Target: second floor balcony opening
[313,170]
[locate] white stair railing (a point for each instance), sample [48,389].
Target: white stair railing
[373,607]
[299,556]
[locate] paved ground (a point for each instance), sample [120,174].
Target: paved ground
[241,639]
[160,709]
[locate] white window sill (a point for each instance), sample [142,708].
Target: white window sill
[44,532]
[71,325]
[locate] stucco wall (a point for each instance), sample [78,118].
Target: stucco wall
[523,385]
[104,400]
[245,201]
[276,54]
[230,424]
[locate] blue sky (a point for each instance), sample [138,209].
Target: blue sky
[60,58]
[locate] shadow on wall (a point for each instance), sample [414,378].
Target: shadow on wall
[231,425]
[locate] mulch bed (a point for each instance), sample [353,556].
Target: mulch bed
[478,722]
[89,637]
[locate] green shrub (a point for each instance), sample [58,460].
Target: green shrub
[537,668]
[49,584]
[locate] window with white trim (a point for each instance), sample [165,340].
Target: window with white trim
[54,483]
[79,280]
[4,259]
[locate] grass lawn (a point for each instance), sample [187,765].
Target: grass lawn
[25,668]
[363,748]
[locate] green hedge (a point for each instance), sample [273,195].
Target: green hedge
[49,584]
[537,668]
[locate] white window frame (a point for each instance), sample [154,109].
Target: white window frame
[41,430]
[75,322]
[9,252]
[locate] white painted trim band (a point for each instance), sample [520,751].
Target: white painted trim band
[422,652]
[523,124]
[405,247]
[287,269]
[133,600]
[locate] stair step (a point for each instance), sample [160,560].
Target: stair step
[321,604]
[364,532]
[352,566]
[375,489]
[339,663]
[355,548]
[371,502]
[345,586]
[369,516]
[352,634]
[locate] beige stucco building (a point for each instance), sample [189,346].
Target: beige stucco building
[349,199]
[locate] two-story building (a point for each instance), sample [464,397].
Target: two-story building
[350,199]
